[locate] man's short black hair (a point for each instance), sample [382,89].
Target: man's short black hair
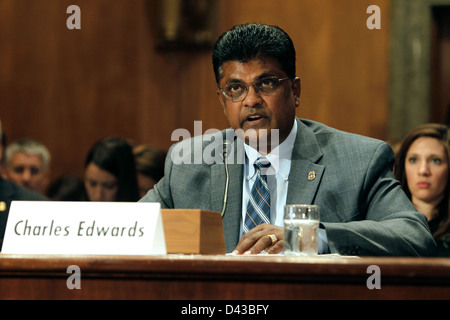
[249,41]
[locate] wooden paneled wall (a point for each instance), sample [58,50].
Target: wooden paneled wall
[69,88]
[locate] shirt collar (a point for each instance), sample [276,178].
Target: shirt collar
[278,157]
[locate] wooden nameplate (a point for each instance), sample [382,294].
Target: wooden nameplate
[193,231]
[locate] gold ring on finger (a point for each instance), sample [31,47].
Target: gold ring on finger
[273,238]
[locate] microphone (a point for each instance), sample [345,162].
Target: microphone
[226,146]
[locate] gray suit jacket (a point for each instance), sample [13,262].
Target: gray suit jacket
[362,207]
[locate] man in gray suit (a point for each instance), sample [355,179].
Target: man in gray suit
[363,210]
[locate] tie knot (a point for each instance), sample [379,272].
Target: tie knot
[262,164]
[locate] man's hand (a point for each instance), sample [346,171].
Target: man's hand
[258,239]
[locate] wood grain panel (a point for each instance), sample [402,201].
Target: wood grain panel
[70,88]
[216,277]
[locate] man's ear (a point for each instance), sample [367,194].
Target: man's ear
[296,87]
[296,90]
[222,101]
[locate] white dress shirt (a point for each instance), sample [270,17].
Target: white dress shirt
[278,181]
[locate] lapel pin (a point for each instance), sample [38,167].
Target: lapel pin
[311,175]
[2,206]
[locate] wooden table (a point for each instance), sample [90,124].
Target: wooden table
[203,277]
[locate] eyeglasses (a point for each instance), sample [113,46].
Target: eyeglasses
[238,90]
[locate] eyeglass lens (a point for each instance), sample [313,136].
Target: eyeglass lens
[237,91]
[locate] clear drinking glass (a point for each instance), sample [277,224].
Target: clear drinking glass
[301,226]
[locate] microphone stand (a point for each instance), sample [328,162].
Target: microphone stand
[226,145]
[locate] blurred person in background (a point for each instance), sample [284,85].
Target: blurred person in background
[422,167]
[149,166]
[110,172]
[10,191]
[67,188]
[27,163]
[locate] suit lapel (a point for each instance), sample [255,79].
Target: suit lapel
[304,180]
[305,174]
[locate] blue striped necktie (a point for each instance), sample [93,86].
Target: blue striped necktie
[258,208]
